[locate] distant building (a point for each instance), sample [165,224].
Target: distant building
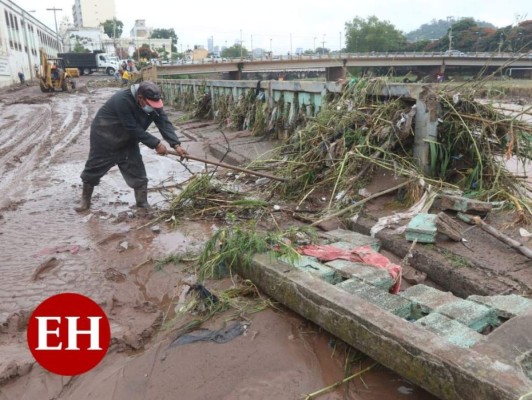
[21,38]
[92,13]
[88,38]
[140,30]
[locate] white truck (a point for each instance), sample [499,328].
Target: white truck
[87,63]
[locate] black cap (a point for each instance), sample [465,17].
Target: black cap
[151,92]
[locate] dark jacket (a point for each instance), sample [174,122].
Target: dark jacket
[120,122]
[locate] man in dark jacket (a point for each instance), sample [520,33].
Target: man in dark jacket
[120,124]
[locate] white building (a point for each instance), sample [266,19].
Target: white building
[21,38]
[92,13]
[140,30]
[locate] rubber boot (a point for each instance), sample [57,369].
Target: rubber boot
[141,197]
[86,195]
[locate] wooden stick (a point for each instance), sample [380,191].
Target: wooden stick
[359,203]
[247,171]
[496,233]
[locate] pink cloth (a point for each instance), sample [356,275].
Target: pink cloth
[362,254]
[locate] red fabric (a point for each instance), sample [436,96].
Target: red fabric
[362,254]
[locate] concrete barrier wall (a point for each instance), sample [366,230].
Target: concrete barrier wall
[309,94]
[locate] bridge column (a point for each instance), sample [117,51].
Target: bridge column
[235,75]
[335,73]
[426,127]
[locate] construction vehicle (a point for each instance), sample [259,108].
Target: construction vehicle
[53,76]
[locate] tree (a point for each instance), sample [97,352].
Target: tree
[373,35]
[145,53]
[113,28]
[166,34]
[235,51]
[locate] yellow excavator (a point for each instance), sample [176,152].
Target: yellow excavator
[53,75]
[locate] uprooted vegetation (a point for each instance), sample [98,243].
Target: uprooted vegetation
[357,132]
[334,154]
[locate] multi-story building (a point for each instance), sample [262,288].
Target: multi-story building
[21,38]
[140,30]
[92,13]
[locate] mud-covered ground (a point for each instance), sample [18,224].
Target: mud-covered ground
[110,255]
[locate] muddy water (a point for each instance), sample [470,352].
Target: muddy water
[109,255]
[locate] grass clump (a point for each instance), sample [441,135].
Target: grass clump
[238,244]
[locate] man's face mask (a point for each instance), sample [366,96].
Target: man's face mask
[147,109]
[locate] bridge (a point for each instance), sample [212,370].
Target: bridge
[335,65]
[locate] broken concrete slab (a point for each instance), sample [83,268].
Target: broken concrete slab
[511,343]
[506,306]
[451,330]
[473,315]
[463,204]
[426,299]
[422,228]
[314,267]
[442,368]
[357,239]
[476,278]
[369,274]
[394,304]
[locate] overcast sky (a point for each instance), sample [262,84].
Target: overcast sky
[285,24]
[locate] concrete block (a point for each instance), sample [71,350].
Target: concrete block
[393,303]
[473,315]
[316,268]
[426,299]
[423,228]
[357,239]
[375,276]
[506,306]
[464,204]
[450,330]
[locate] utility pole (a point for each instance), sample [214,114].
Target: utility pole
[500,43]
[290,45]
[241,44]
[315,44]
[56,30]
[340,50]
[323,45]
[450,37]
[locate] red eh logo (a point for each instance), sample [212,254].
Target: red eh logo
[68,334]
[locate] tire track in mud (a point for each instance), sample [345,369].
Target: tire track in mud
[36,175]
[37,133]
